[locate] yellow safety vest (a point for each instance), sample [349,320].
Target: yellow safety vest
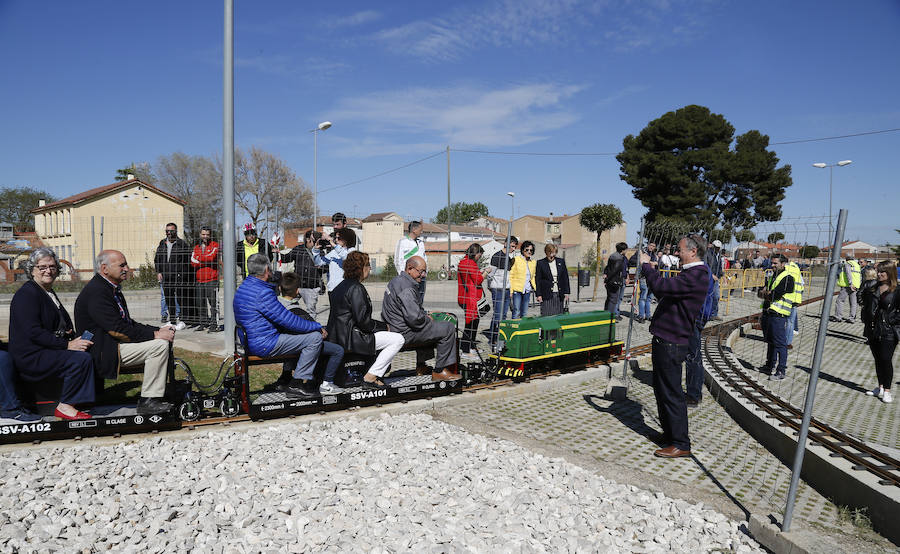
[855,275]
[249,250]
[782,305]
[795,297]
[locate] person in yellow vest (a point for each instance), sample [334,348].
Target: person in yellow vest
[849,280]
[795,298]
[776,309]
[249,246]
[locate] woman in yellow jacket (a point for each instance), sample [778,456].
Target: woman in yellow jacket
[521,280]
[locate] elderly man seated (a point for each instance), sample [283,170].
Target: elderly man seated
[119,340]
[272,330]
[403,312]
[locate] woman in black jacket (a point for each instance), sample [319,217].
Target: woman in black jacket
[42,339]
[881,316]
[552,280]
[350,322]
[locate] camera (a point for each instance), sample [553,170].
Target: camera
[324,246]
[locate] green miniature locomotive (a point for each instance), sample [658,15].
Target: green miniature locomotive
[554,342]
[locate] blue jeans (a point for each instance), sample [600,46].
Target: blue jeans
[335,354]
[776,338]
[520,301]
[667,358]
[307,345]
[644,301]
[792,325]
[163,307]
[715,300]
[500,301]
[9,402]
[693,365]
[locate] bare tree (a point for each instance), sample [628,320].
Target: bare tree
[197,181]
[263,180]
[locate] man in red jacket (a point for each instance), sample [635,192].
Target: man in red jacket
[205,259]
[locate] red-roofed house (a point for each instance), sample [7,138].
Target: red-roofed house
[129,216]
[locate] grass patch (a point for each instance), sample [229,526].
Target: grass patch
[204,367]
[856,517]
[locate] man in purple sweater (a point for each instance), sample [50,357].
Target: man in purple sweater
[680,301]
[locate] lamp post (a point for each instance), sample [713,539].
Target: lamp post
[822,165]
[506,292]
[320,127]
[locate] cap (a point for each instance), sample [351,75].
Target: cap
[249,228]
[717,243]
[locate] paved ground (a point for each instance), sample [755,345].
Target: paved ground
[847,372]
[729,469]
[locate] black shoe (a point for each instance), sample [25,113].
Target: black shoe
[300,389]
[216,329]
[778,376]
[164,319]
[692,403]
[152,406]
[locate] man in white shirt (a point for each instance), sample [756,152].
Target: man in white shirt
[407,248]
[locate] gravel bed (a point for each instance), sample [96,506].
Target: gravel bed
[386,484]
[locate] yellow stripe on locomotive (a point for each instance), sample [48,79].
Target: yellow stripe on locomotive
[537,338]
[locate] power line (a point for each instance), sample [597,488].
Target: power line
[837,136]
[591,154]
[382,173]
[535,153]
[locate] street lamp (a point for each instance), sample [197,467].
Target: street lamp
[822,165]
[506,292]
[320,127]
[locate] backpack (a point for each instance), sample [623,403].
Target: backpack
[706,310]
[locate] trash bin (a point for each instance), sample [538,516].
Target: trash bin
[584,278]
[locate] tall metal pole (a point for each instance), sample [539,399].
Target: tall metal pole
[228,231]
[449,228]
[93,246]
[830,178]
[833,264]
[505,292]
[315,178]
[637,280]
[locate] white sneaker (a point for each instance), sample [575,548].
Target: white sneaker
[329,388]
[887,398]
[877,391]
[796,332]
[180,325]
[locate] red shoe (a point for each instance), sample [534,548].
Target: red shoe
[78,415]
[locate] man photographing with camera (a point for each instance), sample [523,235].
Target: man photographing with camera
[306,267]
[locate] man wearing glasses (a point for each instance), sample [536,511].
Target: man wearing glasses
[403,312]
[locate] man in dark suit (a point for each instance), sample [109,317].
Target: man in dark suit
[119,340]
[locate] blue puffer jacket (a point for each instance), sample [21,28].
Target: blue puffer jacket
[258,311]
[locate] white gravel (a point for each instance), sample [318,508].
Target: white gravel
[387,484]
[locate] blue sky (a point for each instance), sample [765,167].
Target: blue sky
[92,86]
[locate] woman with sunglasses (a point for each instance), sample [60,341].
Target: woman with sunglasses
[881,317]
[521,280]
[42,339]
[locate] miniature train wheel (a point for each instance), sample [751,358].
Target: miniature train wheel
[189,411]
[229,407]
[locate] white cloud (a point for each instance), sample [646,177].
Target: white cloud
[460,116]
[517,23]
[356,19]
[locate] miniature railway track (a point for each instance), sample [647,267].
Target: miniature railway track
[841,445]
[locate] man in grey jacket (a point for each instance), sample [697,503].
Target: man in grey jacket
[403,312]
